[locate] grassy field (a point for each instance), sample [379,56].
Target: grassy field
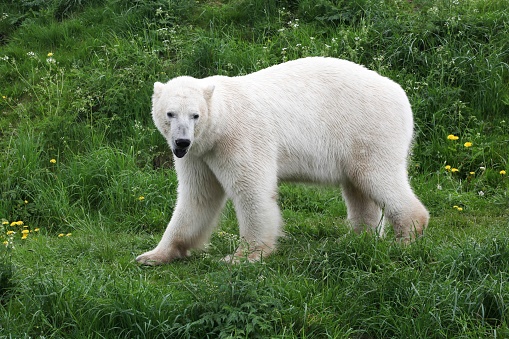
[86,181]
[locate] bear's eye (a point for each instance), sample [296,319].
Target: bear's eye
[170,115]
[196,116]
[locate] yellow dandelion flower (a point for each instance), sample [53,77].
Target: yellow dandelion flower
[472,173]
[25,232]
[50,54]
[24,236]
[19,223]
[454,170]
[26,201]
[502,172]
[68,234]
[5,243]
[4,97]
[448,167]
[141,198]
[13,223]
[10,232]
[5,222]
[452,137]
[36,230]
[53,161]
[61,235]
[456,206]
[460,209]
[467,144]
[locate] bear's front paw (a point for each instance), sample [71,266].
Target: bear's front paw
[159,257]
[243,255]
[153,258]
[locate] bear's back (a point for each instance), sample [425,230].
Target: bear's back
[314,112]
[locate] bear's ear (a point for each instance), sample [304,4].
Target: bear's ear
[207,92]
[158,89]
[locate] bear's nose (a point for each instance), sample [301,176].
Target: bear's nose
[183,143]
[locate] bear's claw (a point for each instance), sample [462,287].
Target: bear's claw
[151,259]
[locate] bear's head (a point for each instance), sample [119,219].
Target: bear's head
[180,111]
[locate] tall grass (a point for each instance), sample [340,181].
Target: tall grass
[86,179]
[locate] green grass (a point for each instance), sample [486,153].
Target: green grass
[110,189]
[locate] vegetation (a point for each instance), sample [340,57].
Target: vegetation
[86,182]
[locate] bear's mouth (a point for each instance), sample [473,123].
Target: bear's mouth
[180,152]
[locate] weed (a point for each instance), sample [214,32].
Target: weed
[86,180]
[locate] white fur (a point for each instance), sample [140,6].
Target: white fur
[315,119]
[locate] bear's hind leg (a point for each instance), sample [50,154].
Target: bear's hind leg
[363,213]
[403,209]
[408,221]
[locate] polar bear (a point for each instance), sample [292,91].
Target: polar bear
[320,120]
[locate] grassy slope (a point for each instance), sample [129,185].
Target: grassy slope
[87,107]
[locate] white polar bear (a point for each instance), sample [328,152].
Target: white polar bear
[315,119]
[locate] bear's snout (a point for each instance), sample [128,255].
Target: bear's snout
[182,143]
[181,146]
[180,152]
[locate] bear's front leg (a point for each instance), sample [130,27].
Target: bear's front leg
[200,199]
[258,215]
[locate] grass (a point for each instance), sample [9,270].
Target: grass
[89,180]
